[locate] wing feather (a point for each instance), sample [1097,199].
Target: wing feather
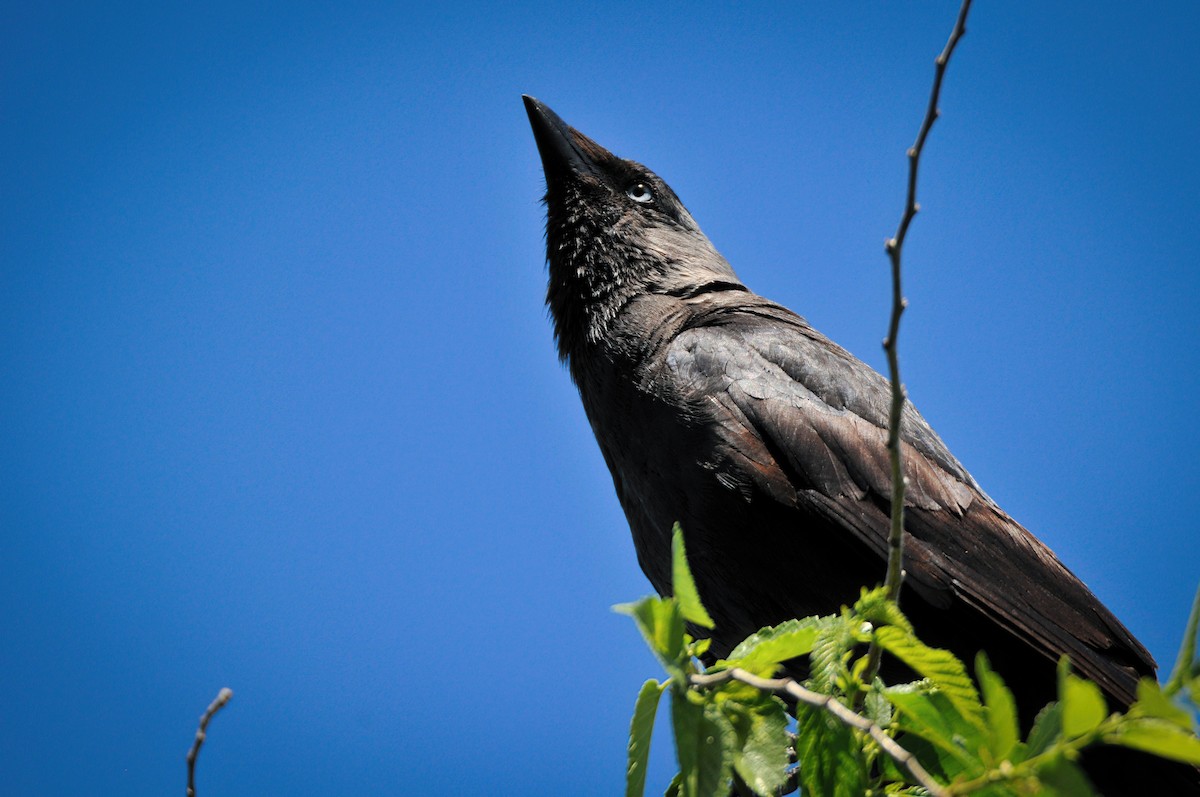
[805,422]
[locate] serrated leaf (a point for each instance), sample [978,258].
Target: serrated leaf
[830,755]
[927,753]
[941,667]
[1153,702]
[930,716]
[900,790]
[1047,729]
[1063,778]
[761,652]
[674,787]
[1083,705]
[876,707]
[761,753]
[704,742]
[1000,710]
[1159,737]
[683,585]
[661,625]
[833,641]
[875,606]
[640,730]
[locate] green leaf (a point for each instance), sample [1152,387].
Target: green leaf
[1157,736]
[674,788]
[704,742]
[697,647]
[830,755]
[927,753]
[875,606]
[1083,704]
[640,730]
[1152,701]
[1001,710]
[830,647]
[930,716]
[941,667]
[876,707]
[761,755]
[683,585]
[761,652]
[661,624]
[1186,662]
[1063,778]
[1047,729]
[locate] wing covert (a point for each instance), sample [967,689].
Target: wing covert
[802,421]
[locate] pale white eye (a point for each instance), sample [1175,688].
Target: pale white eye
[640,192]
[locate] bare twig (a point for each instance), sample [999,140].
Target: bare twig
[789,687]
[1185,664]
[894,247]
[218,704]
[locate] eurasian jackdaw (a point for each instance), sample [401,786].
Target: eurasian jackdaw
[766,441]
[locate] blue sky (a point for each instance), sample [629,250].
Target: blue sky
[282,410]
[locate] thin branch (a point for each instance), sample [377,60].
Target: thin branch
[1185,664]
[894,247]
[1008,772]
[789,687]
[218,704]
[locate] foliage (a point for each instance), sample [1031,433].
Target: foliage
[733,737]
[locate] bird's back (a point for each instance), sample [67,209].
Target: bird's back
[768,443]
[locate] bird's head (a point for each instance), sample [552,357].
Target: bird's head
[614,230]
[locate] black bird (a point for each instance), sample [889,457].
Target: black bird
[722,410]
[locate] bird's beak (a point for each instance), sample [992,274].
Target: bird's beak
[565,151]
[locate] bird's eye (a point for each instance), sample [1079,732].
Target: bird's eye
[640,192]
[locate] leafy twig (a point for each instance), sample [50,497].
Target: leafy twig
[789,687]
[1008,772]
[218,704]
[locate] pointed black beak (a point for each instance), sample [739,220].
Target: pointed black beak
[564,149]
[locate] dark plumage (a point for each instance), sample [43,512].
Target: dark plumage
[726,412]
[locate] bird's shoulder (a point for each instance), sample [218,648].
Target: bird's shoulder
[808,423]
[758,344]
[781,373]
